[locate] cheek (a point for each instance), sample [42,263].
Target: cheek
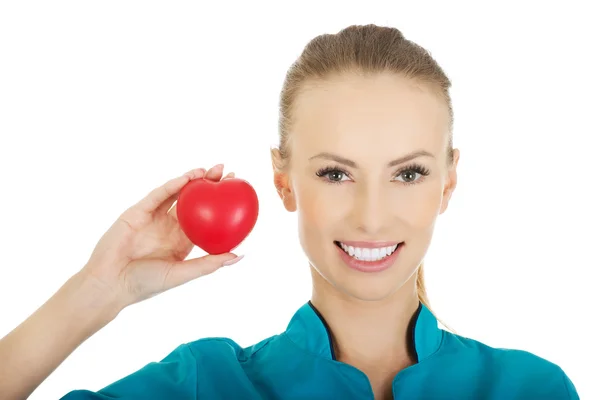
[419,205]
[316,204]
[321,209]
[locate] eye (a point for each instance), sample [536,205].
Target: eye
[412,174]
[336,176]
[333,175]
[409,176]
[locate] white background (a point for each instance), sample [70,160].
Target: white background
[102,101]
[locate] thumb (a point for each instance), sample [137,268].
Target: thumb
[187,270]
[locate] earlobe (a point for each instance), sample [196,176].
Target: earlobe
[289,201]
[284,191]
[281,181]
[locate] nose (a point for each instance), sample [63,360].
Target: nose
[371,210]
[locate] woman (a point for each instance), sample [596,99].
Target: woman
[366,160]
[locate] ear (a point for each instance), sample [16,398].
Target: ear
[451,181]
[282,182]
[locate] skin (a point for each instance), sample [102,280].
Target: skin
[369,121]
[144,253]
[141,255]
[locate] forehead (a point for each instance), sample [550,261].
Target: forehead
[384,113]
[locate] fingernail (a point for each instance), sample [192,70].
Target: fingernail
[231,262]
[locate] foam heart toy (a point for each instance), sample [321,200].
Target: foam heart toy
[217,216]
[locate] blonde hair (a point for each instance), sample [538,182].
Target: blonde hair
[366,49]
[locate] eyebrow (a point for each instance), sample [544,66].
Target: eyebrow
[352,164]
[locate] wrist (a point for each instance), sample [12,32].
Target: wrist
[90,301]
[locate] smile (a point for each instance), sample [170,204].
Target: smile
[369,254]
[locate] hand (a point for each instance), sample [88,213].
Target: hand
[144,252]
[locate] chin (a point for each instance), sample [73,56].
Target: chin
[363,286]
[335,273]
[367,293]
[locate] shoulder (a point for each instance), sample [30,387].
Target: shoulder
[213,367]
[223,348]
[513,369]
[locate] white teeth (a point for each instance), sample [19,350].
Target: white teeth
[368,254]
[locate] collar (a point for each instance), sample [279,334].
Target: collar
[309,330]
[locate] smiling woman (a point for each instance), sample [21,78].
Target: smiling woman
[366,161]
[384,137]
[371,252]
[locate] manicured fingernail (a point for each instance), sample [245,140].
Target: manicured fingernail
[231,262]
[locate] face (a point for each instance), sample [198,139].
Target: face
[368,175]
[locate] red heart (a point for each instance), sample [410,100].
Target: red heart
[217,216]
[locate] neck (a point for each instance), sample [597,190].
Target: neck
[371,335]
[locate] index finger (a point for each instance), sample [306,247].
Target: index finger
[158,196]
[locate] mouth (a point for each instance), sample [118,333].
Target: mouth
[369,254]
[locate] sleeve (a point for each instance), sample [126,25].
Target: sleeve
[556,386]
[569,387]
[174,377]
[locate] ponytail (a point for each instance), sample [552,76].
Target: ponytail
[422,293]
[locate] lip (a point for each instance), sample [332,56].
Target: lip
[370,266]
[368,245]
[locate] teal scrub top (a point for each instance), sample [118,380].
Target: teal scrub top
[300,364]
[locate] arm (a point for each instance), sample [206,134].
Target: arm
[128,265]
[33,350]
